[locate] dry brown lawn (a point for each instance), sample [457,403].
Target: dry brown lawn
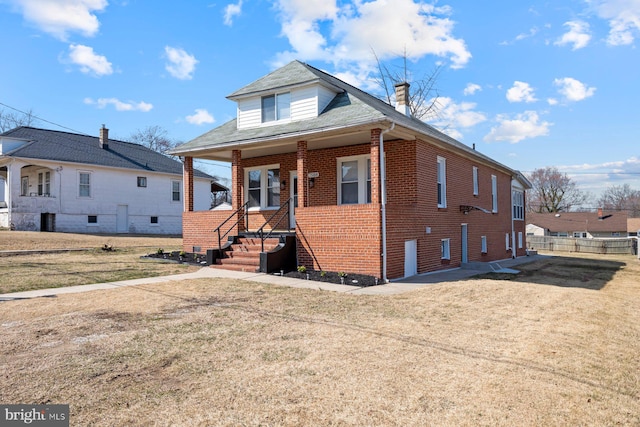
[53,270]
[546,349]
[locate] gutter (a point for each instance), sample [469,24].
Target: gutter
[383,202]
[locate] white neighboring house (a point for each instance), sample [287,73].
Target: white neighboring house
[61,181]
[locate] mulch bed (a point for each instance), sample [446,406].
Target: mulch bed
[185,258]
[352,279]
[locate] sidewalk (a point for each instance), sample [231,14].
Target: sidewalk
[393,288]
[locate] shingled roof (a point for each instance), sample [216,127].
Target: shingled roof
[580,221]
[60,146]
[350,108]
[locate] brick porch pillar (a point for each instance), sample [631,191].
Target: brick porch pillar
[187,178]
[237,181]
[375,166]
[303,171]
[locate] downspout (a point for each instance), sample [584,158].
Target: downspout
[383,202]
[513,232]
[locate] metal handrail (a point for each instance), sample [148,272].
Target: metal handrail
[287,204]
[244,215]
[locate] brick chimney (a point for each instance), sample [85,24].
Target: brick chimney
[104,137]
[600,215]
[402,98]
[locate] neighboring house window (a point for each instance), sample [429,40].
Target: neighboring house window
[483,244]
[442,182]
[84,184]
[92,219]
[475,181]
[520,239]
[354,180]
[276,107]
[154,220]
[24,186]
[445,252]
[44,183]
[142,181]
[175,191]
[615,234]
[494,193]
[263,187]
[579,234]
[518,205]
[506,241]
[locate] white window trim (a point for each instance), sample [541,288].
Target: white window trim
[24,185]
[445,248]
[483,244]
[362,177]
[82,172]
[476,186]
[518,205]
[442,163]
[494,194]
[277,119]
[519,239]
[179,191]
[264,182]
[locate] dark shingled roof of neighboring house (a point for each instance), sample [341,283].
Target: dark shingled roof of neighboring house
[580,221]
[60,146]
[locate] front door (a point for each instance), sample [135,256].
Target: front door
[122,219]
[293,194]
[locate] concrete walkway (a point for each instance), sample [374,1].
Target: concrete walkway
[395,287]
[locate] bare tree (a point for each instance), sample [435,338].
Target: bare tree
[553,191]
[11,120]
[621,198]
[153,137]
[423,96]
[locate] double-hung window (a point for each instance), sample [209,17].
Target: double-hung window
[476,189]
[494,193]
[263,187]
[442,182]
[354,180]
[84,184]
[445,249]
[44,183]
[518,205]
[276,107]
[175,191]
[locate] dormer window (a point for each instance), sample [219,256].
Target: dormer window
[276,107]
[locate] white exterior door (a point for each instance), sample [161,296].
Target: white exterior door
[410,258]
[465,249]
[293,193]
[122,219]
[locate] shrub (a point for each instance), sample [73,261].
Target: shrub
[302,269]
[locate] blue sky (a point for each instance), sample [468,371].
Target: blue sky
[532,84]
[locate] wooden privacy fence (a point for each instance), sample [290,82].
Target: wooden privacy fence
[572,244]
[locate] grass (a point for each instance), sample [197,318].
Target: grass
[528,351]
[52,270]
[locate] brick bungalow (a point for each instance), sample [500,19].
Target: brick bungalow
[357,185]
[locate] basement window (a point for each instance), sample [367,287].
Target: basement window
[92,219]
[154,220]
[445,249]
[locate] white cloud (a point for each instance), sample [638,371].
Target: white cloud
[472,88]
[623,17]
[521,92]
[320,30]
[552,101]
[578,35]
[451,116]
[119,105]
[200,117]
[573,90]
[230,11]
[60,17]
[89,61]
[523,126]
[181,65]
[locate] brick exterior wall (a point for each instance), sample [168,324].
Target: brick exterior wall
[198,229]
[348,238]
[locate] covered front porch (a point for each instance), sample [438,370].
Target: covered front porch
[326,192]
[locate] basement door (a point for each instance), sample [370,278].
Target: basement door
[410,258]
[122,219]
[465,244]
